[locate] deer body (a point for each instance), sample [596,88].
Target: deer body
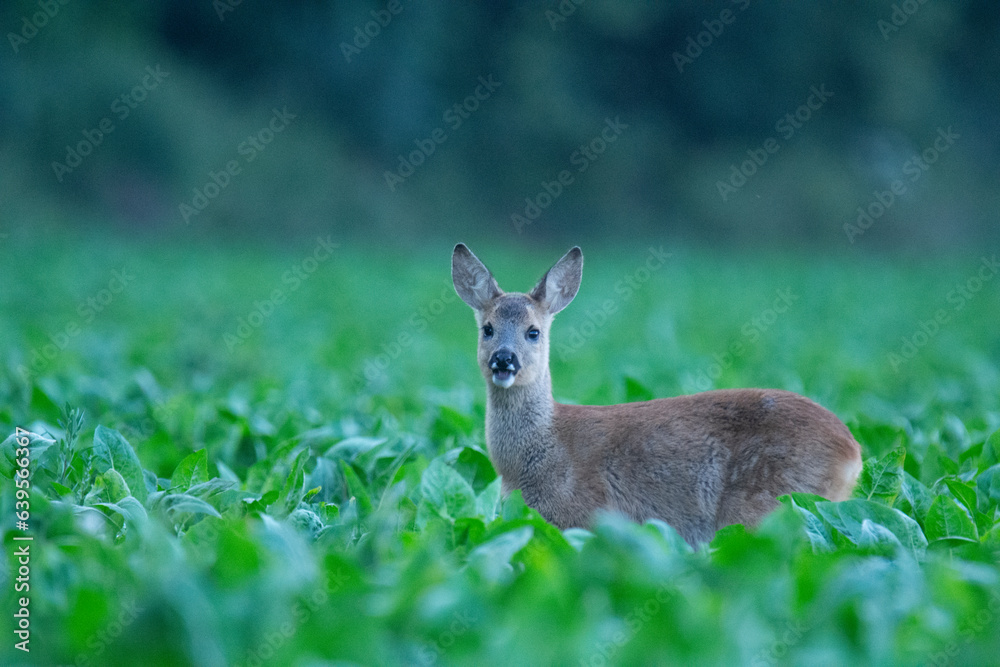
[697,462]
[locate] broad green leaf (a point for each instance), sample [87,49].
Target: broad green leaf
[37,446]
[876,535]
[677,543]
[447,491]
[355,487]
[848,518]
[936,464]
[914,498]
[240,558]
[294,487]
[991,451]
[881,479]
[636,391]
[488,502]
[988,484]
[954,436]
[193,469]
[349,448]
[513,507]
[948,520]
[964,493]
[226,473]
[450,422]
[880,438]
[116,486]
[128,507]
[173,503]
[211,488]
[475,466]
[819,536]
[577,537]
[112,451]
[325,475]
[806,501]
[61,489]
[469,530]
[266,474]
[492,558]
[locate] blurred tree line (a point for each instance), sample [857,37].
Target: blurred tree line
[721,121]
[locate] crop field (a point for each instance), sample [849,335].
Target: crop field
[275,456]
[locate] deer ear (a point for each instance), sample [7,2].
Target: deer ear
[560,283]
[473,281]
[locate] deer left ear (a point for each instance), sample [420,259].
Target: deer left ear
[560,283]
[473,281]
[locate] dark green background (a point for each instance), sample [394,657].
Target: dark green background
[893,86]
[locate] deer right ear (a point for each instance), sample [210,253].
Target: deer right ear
[473,281]
[560,283]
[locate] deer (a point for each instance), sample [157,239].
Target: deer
[697,462]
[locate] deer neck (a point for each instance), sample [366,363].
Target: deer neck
[520,434]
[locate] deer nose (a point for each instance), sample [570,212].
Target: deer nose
[504,359]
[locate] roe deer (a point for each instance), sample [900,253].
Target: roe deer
[697,462]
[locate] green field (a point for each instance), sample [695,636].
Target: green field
[254,456]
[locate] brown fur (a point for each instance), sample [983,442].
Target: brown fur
[697,462]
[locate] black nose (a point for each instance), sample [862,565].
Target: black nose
[504,360]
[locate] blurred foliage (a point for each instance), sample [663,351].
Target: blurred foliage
[317,489]
[363,100]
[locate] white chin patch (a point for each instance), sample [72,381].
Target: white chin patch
[503,378]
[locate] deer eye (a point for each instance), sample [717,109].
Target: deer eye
[488,331]
[532,334]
